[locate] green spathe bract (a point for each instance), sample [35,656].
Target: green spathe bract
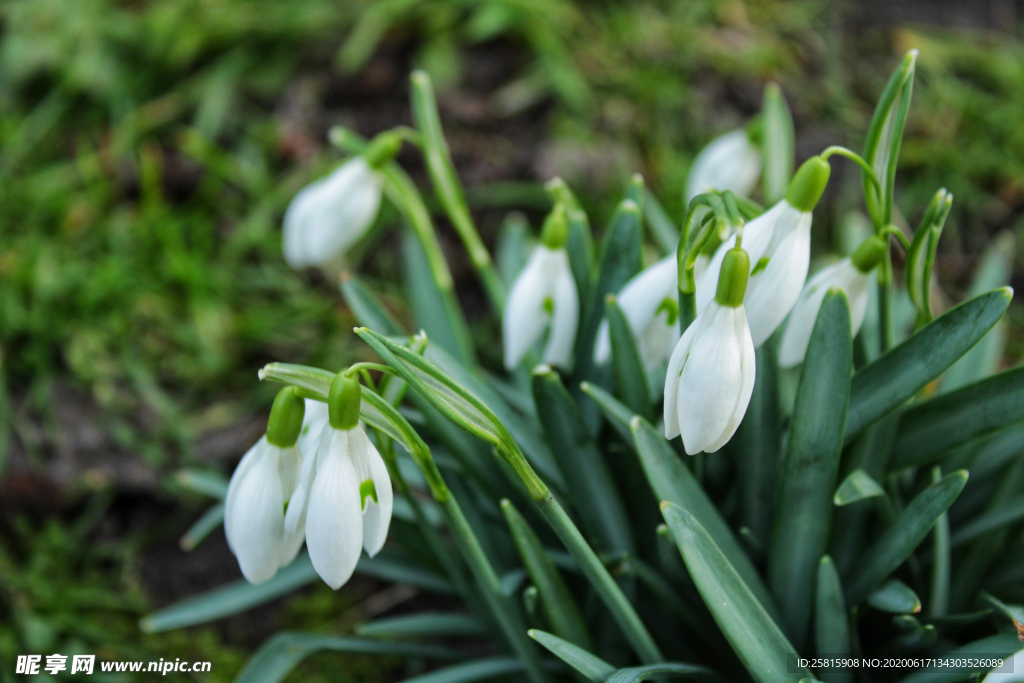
[823,518]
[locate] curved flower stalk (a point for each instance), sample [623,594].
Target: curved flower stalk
[729,162]
[344,497]
[543,295]
[853,276]
[254,518]
[779,244]
[650,304]
[711,373]
[329,215]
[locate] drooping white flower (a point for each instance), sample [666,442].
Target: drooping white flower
[313,423]
[650,304]
[779,244]
[344,499]
[543,296]
[711,373]
[853,276]
[329,215]
[729,162]
[254,510]
[1014,673]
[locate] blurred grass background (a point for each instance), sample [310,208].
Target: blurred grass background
[149,148]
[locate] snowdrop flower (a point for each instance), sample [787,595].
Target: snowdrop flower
[329,215]
[1014,673]
[779,244]
[543,296]
[262,482]
[312,426]
[729,162]
[650,302]
[344,497]
[711,372]
[853,276]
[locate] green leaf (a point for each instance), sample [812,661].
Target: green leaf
[896,544]
[621,259]
[635,674]
[895,597]
[211,519]
[831,622]
[885,135]
[630,375]
[857,486]
[614,411]
[663,228]
[757,639]
[932,428]
[897,376]
[1007,513]
[424,625]
[999,646]
[995,270]
[558,604]
[590,484]
[759,446]
[280,654]
[206,482]
[478,670]
[434,310]
[580,244]
[365,306]
[513,247]
[779,141]
[672,481]
[230,599]
[594,668]
[804,513]
[921,255]
[1011,612]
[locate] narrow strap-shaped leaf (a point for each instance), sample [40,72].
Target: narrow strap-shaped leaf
[630,375]
[368,311]
[614,411]
[512,250]
[831,622]
[424,625]
[635,674]
[591,488]
[478,670]
[779,141]
[896,544]
[207,482]
[558,604]
[757,639]
[856,487]
[211,519]
[621,259]
[759,447]
[895,597]
[591,666]
[897,376]
[942,561]
[434,310]
[281,653]
[995,270]
[663,228]
[1001,646]
[1007,513]
[804,513]
[933,427]
[580,245]
[672,481]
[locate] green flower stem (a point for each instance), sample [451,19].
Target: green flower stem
[687,309]
[938,606]
[893,231]
[858,159]
[609,591]
[379,367]
[449,189]
[886,302]
[712,212]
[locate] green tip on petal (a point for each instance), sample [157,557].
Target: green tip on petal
[732,282]
[869,254]
[285,422]
[343,401]
[808,184]
[555,232]
[367,490]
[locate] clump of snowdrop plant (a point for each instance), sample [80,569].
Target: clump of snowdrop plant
[845,483]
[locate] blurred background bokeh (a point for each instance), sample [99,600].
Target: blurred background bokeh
[149,148]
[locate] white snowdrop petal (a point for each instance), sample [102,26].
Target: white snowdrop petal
[675,368]
[729,162]
[798,330]
[711,380]
[639,301]
[257,525]
[297,504]
[244,465]
[1015,675]
[772,293]
[313,422]
[524,318]
[748,373]
[565,316]
[334,525]
[376,514]
[858,293]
